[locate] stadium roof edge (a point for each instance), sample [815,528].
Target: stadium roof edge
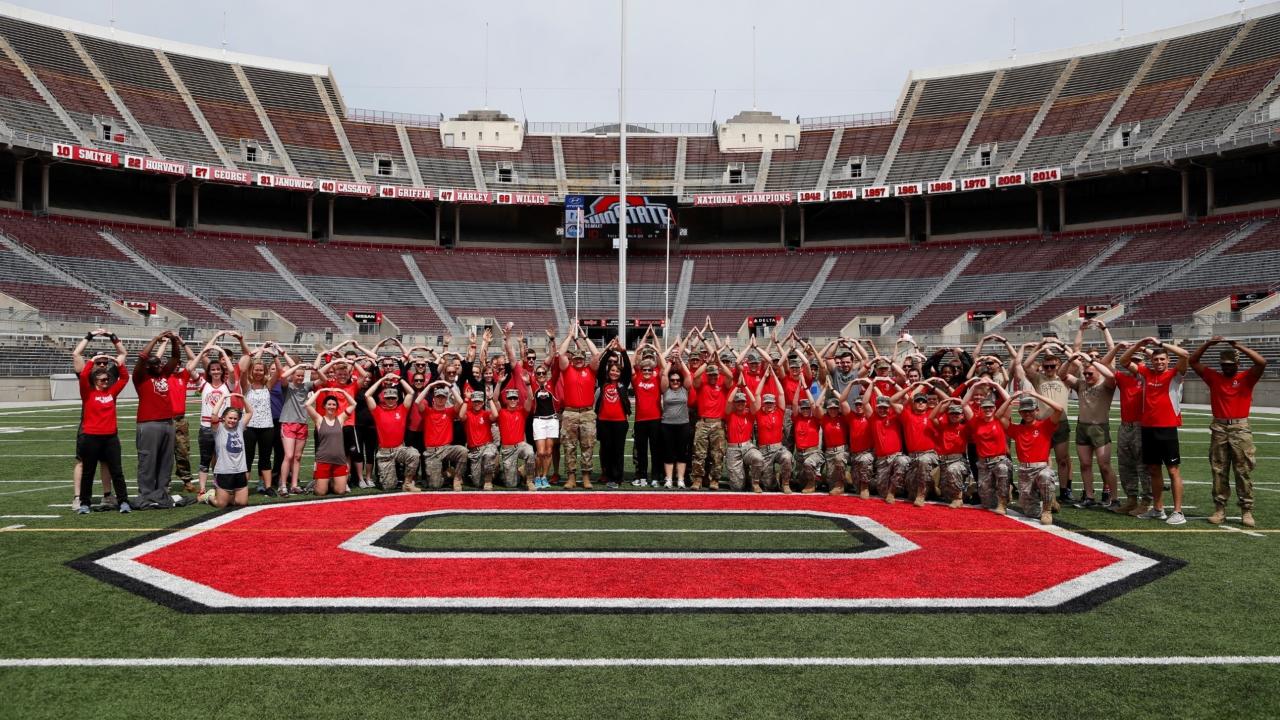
[153,43]
[1046,56]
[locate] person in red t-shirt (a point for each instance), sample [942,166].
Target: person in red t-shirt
[1230,438]
[1132,474]
[578,420]
[987,434]
[858,429]
[776,460]
[613,408]
[437,433]
[886,442]
[113,366]
[806,427]
[1033,439]
[918,439]
[835,442]
[515,456]
[1161,418]
[178,383]
[155,422]
[951,438]
[99,441]
[647,385]
[741,454]
[482,451]
[389,418]
[713,385]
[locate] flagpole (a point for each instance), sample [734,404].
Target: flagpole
[666,291]
[577,256]
[622,180]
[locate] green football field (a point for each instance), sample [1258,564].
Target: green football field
[1199,641]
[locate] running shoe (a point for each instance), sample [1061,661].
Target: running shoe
[668,484]
[612,485]
[1176,518]
[125,508]
[82,510]
[680,483]
[1155,514]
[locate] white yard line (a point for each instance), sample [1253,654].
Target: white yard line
[29,517]
[1250,533]
[39,489]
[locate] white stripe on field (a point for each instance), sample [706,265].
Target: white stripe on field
[542,663]
[12,527]
[31,490]
[28,517]
[620,530]
[1250,533]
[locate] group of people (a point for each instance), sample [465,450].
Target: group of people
[777,415]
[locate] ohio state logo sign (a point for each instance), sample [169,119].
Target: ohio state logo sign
[621,552]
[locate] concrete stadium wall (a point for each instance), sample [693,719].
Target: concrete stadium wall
[28,389]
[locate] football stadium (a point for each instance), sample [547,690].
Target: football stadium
[311,410]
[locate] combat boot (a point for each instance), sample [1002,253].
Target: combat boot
[1126,507]
[713,484]
[1046,517]
[586,482]
[697,484]
[457,483]
[786,485]
[837,487]
[919,501]
[1219,514]
[755,486]
[1000,507]
[809,486]
[571,483]
[1246,518]
[956,503]
[1143,507]
[865,493]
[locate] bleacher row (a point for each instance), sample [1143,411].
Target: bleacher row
[1141,89]
[226,274]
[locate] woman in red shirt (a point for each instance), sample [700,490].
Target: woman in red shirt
[99,441]
[613,407]
[988,437]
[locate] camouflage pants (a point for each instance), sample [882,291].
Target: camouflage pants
[1231,450]
[484,463]
[810,461]
[993,479]
[388,458]
[920,473]
[517,460]
[1134,477]
[1037,487]
[708,449]
[740,459]
[434,458]
[862,469]
[182,449]
[578,436]
[954,475]
[836,461]
[775,455]
[891,471]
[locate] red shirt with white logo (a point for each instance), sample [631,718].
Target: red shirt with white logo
[739,426]
[99,414]
[806,429]
[579,387]
[1130,388]
[390,424]
[916,431]
[154,401]
[1161,398]
[511,425]
[950,438]
[834,433]
[1230,397]
[611,404]
[859,429]
[989,437]
[479,428]
[769,426]
[1033,440]
[711,398]
[886,434]
[437,426]
[648,396]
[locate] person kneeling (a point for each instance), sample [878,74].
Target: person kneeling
[331,446]
[390,417]
[230,470]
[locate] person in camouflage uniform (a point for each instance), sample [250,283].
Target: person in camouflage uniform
[988,436]
[1034,440]
[438,417]
[515,456]
[1231,448]
[952,436]
[708,434]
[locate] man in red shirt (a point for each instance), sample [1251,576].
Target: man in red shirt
[1133,475]
[437,433]
[776,460]
[917,435]
[712,384]
[886,443]
[741,455]
[987,434]
[155,441]
[578,421]
[482,452]
[389,418]
[1230,439]
[858,430]
[1161,418]
[835,444]
[1033,439]
[516,454]
[951,438]
[807,429]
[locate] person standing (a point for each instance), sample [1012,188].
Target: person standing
[1133,475]
[114,366]
[578,420]
[712,385]
[677,431]
[858,427]
[1161,418]
[647,384]
[155,422]
[331,471]
[1231,448]
[1095,390]
[178,383]
[515,456]
[613,408]
[1043,378]
[918,439]
[98,441]
[545,428]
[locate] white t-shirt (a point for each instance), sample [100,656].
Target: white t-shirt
[259,400]
[210,396]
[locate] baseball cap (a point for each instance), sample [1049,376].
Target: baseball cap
[739,397]
[883,401]
[512,394]
[920,397]
[881,362]
[753,356]
[831,403]
[713,369]
[794,361]
[987,402]
[1027,403]
[768,398]
[727,356]
[806,402]
[955,410]
[390,392]
[1230,356]
[576,354]
[440,392]
[646,363]
[477,396]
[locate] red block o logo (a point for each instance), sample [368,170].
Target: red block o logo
[351,554]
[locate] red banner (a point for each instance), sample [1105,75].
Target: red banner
[1011,180]
[836,194]
[221,175]
[286,182]
[403,192]
[875,192]
[810,196]
[85,155]
[147,164]
[976,183]
[521,198]
[1046,175]
[908,189]
[465,196]
[943,186]
[345,187]
[765,198]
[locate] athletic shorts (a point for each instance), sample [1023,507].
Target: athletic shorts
[1063,431]
[293,431]
[1160,446]
[351,440]
[329,471]
[1093,435]
[230,482]
[546,428]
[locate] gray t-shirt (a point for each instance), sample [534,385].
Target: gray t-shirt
[1095,401]
[675,406]
[294,409]
[229,446]
[840,380]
